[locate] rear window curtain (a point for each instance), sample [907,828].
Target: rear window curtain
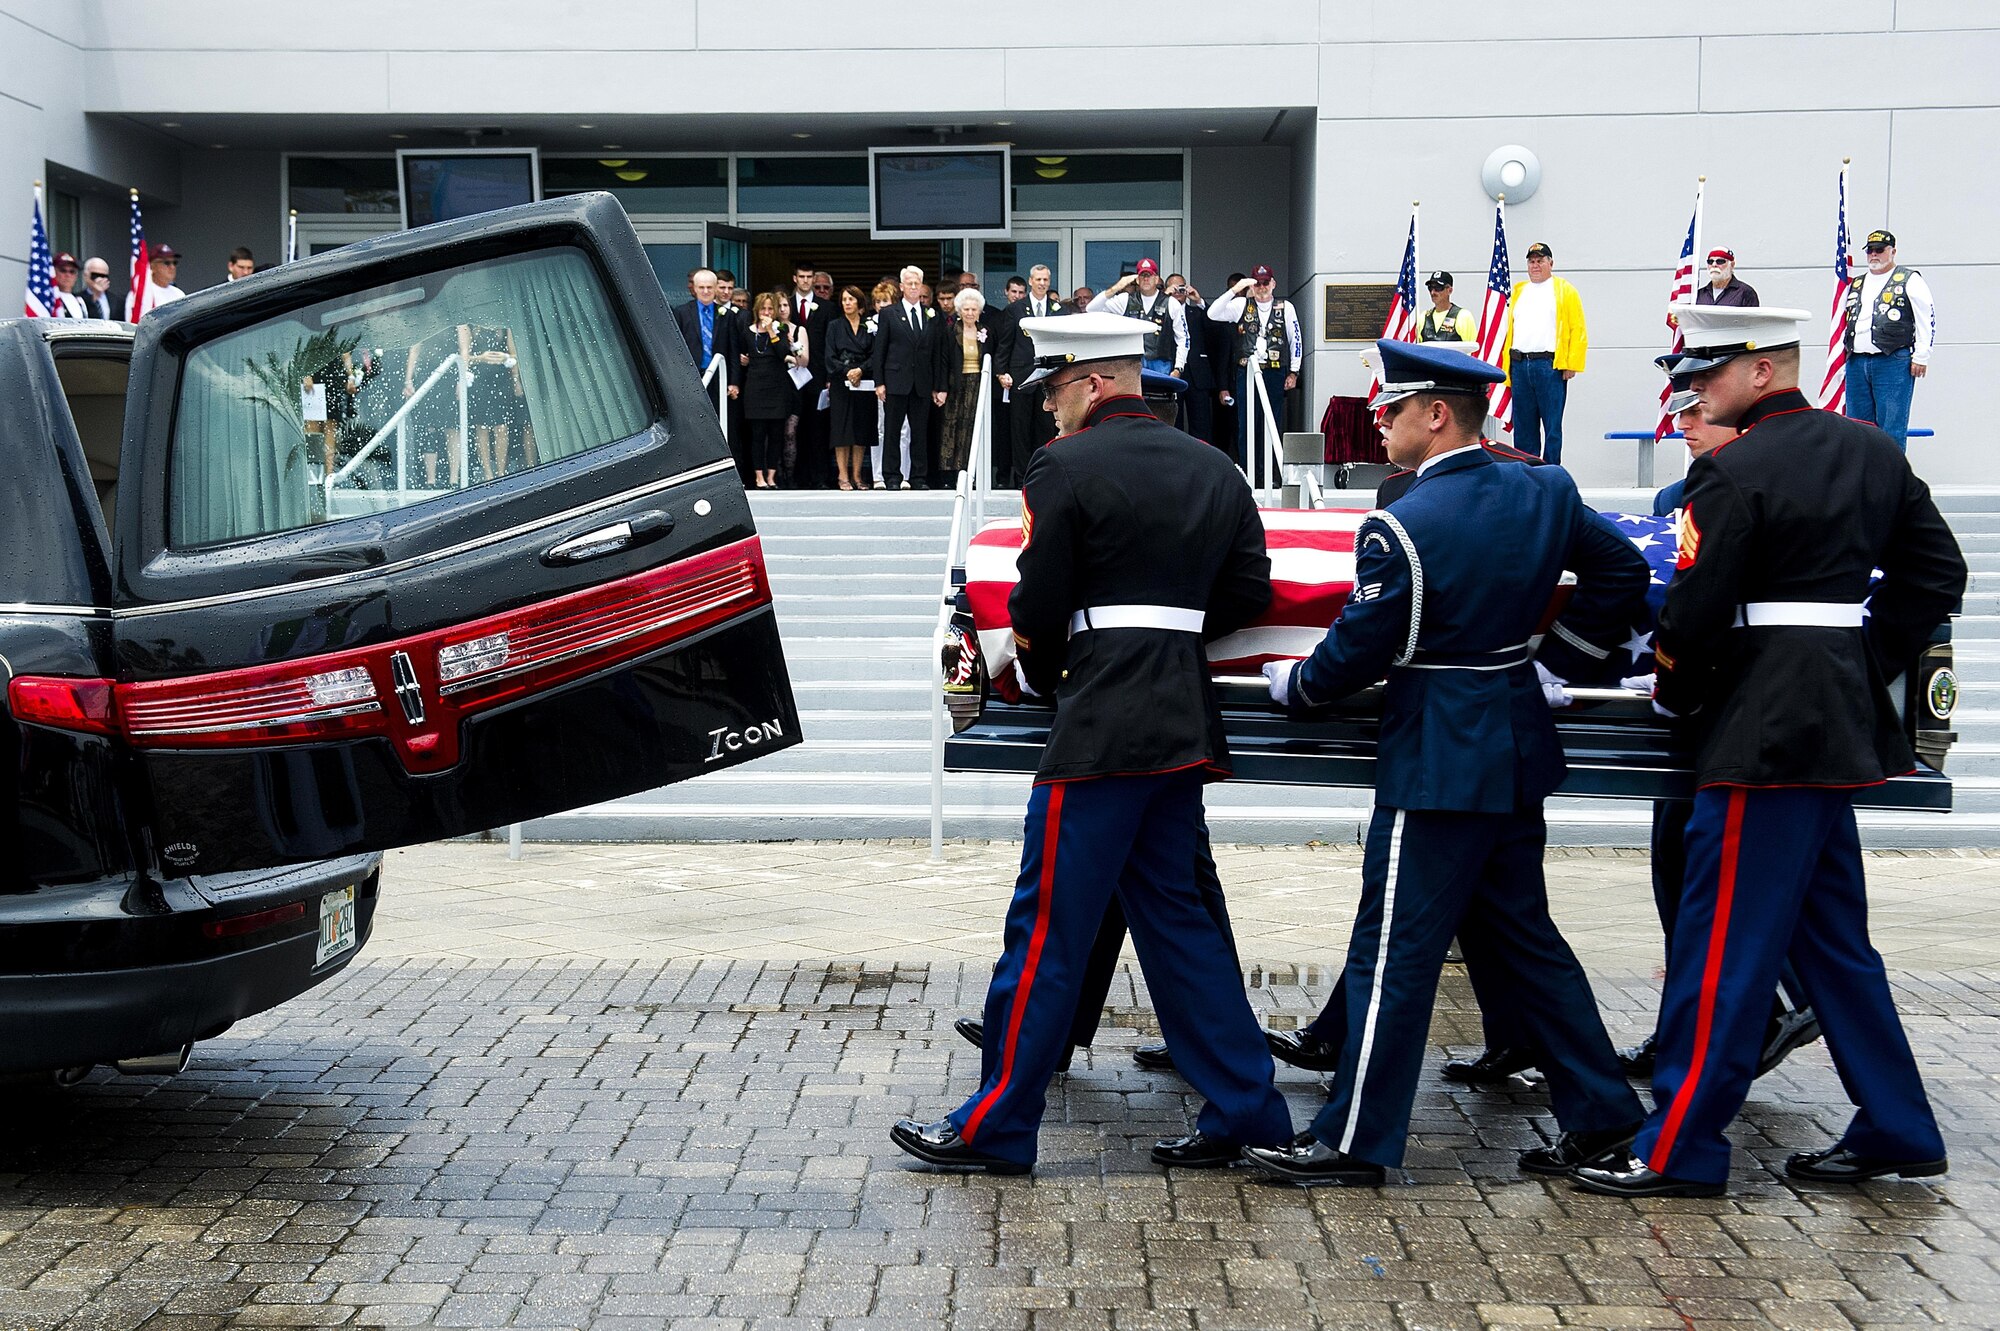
[240,451]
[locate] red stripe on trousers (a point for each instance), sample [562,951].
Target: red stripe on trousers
[1711,975]
[1044,892]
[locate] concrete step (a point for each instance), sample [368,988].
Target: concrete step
[842,724]
[795,624]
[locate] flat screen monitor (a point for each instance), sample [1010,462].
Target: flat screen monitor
[940,193]
[440,184]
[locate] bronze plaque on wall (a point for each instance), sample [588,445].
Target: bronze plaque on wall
[1355,311]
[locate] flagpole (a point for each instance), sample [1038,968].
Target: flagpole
[1699,259]
[1416,252]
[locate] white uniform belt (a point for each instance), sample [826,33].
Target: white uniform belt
[1799,614]
[1176,618]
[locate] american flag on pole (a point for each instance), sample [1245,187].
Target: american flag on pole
[1680,289]
[1401,325]
[1493,316]
[1833,387]
[41,299]
[141,298]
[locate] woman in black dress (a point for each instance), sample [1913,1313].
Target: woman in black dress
[768,395]
[494,399]
[851,428]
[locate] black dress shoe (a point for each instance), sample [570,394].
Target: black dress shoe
[1837,1164]
[1788,1032]
[973,1031]
[1153,1058]
[1197,1152]
[1637,1062]
[1302,1049]
[1628,1176]
[1573,1150]
[1491,1068]
[939,1144]
[1308,1161]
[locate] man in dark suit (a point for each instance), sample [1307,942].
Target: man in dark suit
[1005,321]
[812,311]
[1200,374]
[711,330]
[901,369]
[1029,427]
[96,293]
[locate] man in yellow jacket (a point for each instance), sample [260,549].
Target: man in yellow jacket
[1544,350]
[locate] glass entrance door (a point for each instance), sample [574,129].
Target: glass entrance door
[674,251]
[1095,254]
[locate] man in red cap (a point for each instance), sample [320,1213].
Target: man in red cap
[1167,344]
[1723,287]
[69,305]
[1267,342]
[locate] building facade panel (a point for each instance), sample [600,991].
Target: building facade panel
[1558,76]
[1452,20]
[1887,70]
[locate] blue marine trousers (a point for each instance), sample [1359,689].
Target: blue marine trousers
[1426,875]
[1136,836]
[1772,871]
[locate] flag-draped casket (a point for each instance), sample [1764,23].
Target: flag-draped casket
[1312,573]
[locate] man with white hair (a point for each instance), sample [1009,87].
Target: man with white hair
[900,365]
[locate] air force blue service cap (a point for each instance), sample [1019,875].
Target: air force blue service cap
[1155,384]
[1077,339]
[1429,367]
[1713,335]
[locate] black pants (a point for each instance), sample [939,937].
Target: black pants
[1028,428]
[1200,404]
[916,409]
[767,444]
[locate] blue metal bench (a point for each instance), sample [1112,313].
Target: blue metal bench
[1646,441]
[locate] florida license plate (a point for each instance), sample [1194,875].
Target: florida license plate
[336,926]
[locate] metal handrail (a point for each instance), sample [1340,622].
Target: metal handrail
[968,501]
[717,374]
[398,421]
[1274,463]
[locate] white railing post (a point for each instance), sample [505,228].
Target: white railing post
[398,422]
[954,555]
[718,375]
[464,458]
[980,460]
[1270,455]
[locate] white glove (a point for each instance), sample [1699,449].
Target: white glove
[1638,683]
[1553,692]
[1278,675]
[1021,678]
[1661,711]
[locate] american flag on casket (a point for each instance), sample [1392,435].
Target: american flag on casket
[1312,572]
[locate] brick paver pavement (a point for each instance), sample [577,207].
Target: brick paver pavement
[642,1086]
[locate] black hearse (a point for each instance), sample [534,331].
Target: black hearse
[425,536]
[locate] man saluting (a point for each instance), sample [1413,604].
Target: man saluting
[1771,644]
[1138,544]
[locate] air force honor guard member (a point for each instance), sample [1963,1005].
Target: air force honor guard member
[1138,544]
[1451,582]
[1772,645]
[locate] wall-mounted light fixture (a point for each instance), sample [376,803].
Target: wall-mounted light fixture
[1512,171]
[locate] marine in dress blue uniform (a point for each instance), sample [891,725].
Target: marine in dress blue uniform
[1467,754]
[1139,543]
[1773,648]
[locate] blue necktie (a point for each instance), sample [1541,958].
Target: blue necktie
[707,335]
